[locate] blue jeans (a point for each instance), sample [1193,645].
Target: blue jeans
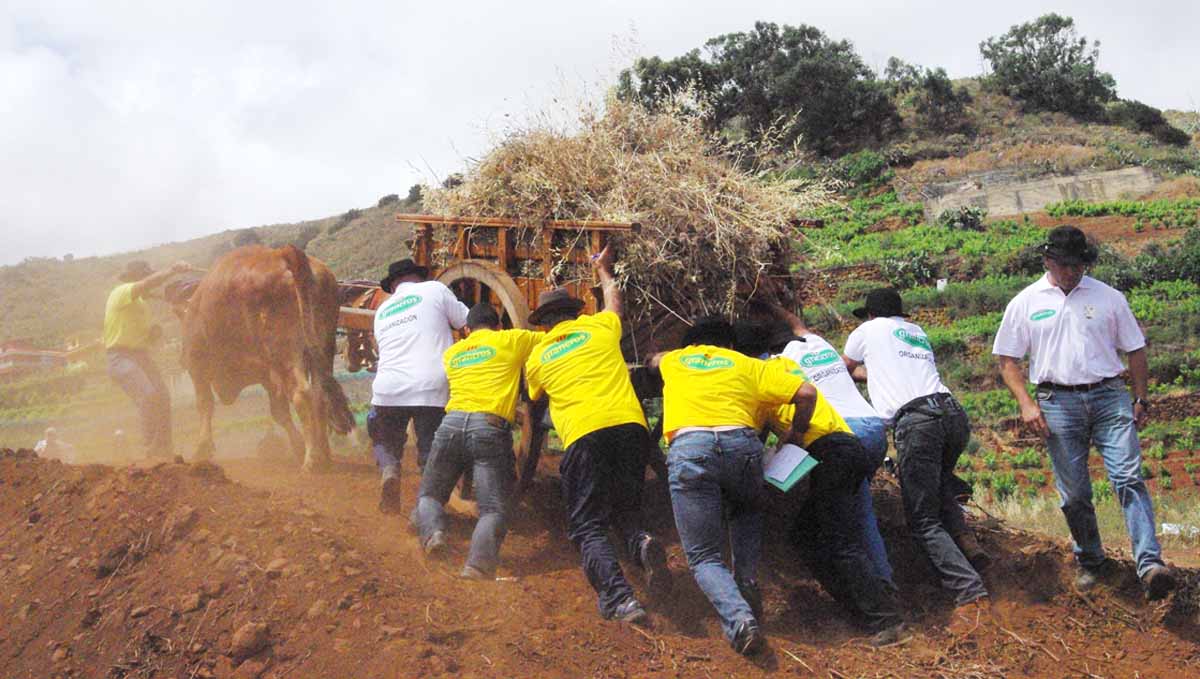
[388,428]
[482,443]
[713,475]
[1102,417]
[872,433]
[139,378]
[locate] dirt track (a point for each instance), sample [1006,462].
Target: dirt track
[149,572]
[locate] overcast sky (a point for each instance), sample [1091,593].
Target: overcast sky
[125,124]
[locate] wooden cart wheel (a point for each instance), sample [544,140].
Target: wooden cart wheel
[475,281]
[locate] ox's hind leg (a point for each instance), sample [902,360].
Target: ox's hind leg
[281,412]
[310,405]
[205,404]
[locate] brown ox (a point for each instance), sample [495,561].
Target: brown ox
[267,316]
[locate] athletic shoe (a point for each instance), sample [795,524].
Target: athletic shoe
[748,639]
[630,611]
[435,546]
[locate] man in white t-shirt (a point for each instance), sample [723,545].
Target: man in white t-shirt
[413,328]
[1073,327]
[930,430]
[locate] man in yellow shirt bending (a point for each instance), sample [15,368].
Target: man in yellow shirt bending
[484,371]
[712,396]
[599,418]
[828,529]
[128,334]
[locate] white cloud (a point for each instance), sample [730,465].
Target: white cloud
[125,124]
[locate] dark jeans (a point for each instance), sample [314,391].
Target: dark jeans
[138,377]
[716,475]
[602,475]
[829,530]
[930,434]
[479,442]
[388,429]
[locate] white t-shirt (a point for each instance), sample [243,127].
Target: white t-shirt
[1071,338]
[413,328]
[824,367]
[899,360]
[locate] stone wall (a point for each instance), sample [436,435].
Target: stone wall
[1002,194]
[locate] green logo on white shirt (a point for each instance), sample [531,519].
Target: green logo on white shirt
[406,303]
[913,340]
[819,358]
[1042,314]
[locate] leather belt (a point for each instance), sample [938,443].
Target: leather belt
[1076,387]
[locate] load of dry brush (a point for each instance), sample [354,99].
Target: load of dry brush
[711,230]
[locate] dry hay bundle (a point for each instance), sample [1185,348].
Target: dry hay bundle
[710,230]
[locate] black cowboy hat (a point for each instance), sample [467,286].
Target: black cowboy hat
[135,271]
[881,302]
[403,267]
[550,301]
[710,330]
[1069,245]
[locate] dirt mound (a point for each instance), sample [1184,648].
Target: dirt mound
[176,571]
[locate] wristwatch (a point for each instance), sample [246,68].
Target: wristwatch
[1144,402]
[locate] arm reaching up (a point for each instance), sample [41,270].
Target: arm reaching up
[602,261]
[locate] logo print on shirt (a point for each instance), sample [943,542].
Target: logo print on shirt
[565,344]
[1042,314]
[472,356]
[819,358]
[406,303]
[913,340]
[705,362]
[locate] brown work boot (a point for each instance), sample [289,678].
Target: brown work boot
[969,544]
[970,616]
[1158,581]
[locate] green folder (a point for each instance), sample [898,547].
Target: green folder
[798,472]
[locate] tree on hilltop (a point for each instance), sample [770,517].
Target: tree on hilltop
[1047,66]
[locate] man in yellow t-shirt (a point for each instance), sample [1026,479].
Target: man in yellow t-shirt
[484,372]
[828,526]
[712,396]
[128,335]
[580,368]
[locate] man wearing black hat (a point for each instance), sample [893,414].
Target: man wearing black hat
[599,419]
[413,328]
[128,334]
[930,431]
[1073,327]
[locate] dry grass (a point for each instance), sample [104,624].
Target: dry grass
[1035,158]
[710,229]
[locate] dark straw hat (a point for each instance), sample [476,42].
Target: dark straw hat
[135,271]
[550,301]
[881,302]
[403,267]
[1069,245]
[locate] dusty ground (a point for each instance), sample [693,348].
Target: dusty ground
[165,571]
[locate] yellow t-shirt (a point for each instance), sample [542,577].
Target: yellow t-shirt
[126,319]
[825,420]
[484,370]
[708,386]
[579,364]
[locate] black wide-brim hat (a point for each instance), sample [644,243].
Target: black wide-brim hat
[1069,245]
[403,267]
[551,301]
[882,302]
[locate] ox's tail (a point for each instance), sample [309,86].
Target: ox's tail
[340,417]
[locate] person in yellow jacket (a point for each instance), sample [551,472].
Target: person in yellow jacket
[711,399]
[484,372]
[598,417]
[128,334]
[828,528]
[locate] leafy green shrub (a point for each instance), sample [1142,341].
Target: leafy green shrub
[862,168]
[1164,471]
[964,463]
[1156,452]
[1139,117]
[1037,478]
[965,217]
[1029,458]
[390,199]
[989,459]
[1003,485]
[1165,483]
[1191,467]
[1047,67]
[940,106]
[982,406]
[1147,472]
[905,272]
[1101,490]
